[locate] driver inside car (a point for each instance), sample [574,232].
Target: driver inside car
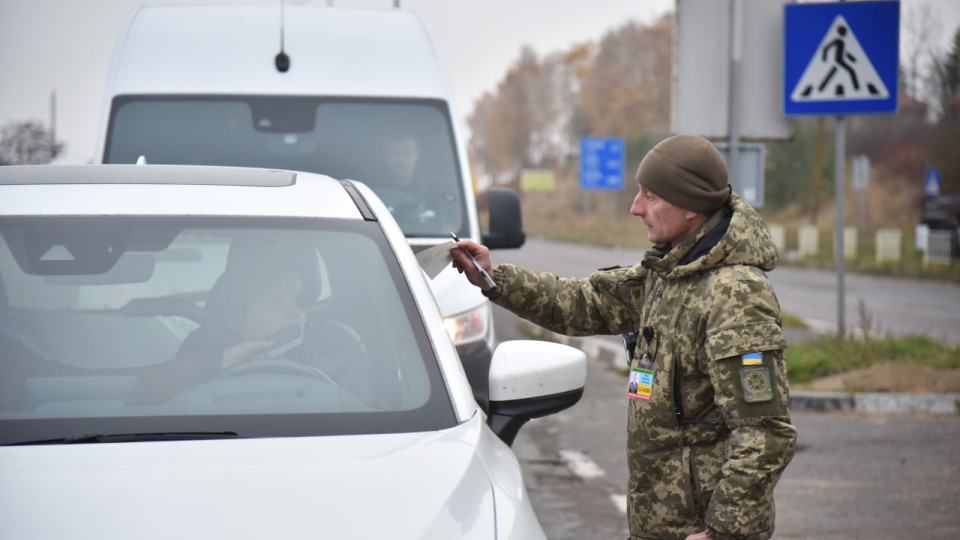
[245,308]
[255,322]
[264,289]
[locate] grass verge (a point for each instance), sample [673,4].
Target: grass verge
[827,356]
[792,321]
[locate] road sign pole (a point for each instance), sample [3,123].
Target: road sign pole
[587,208]
[614,208]
[841,185]
[734,102]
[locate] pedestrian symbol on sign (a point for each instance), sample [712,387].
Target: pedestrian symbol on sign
[839,70]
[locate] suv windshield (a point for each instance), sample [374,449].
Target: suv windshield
[256,326]
[402,149]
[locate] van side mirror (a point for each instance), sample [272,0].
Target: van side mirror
[506,222]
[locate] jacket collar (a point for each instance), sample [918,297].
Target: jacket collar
[734,234]
[662,258]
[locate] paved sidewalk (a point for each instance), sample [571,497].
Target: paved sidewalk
[609,350]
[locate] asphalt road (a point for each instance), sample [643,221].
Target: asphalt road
[894,477]
[893,306]
[853,476]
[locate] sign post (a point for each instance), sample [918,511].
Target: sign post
[861,177]
[841,58]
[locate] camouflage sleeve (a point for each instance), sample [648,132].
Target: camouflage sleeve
[606,302]
[752,394]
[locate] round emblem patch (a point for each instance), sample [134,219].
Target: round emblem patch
[756,383]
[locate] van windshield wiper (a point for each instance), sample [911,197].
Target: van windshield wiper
[98,437]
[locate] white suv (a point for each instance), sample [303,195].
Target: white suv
[267,349]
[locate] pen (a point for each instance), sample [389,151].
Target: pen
[486,277]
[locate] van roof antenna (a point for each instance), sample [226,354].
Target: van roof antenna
[282,61]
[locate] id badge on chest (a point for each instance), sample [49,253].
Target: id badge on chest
[640,384]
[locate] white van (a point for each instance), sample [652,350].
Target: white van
[354,94]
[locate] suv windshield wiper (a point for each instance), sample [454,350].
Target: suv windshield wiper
[98,437]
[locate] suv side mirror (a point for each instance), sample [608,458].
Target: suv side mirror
[531,379]
[506,222]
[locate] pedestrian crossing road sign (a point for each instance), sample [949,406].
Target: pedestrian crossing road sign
[841,58]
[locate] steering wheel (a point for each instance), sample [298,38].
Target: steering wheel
[350,364]
[275,366]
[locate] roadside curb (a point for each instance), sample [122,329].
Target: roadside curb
[608,351]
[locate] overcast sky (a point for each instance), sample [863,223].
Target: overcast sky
[66,46]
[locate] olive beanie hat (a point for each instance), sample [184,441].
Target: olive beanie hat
[687,172]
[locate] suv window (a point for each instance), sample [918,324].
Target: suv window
[134,325]
[403,149]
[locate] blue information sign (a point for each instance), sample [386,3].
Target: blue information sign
[601,163]
[931,183]
[841,58]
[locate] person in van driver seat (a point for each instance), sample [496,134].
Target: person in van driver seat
[402,154]
[411,187]
[708,432]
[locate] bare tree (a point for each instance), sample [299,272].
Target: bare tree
[921,30]
[27,143]
[945,82]
[509,126]
[627,90]
[542,107]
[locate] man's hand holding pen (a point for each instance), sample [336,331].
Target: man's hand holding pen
[470,257]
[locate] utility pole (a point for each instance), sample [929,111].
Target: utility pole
[841,187]
[53,117]
[736,52]
[816,183]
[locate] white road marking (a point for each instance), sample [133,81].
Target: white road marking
[620,501]
[580,464]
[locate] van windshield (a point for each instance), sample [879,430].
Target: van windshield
[402,149]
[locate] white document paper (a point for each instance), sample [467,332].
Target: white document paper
[435,259]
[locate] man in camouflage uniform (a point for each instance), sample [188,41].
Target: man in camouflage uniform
[709,433]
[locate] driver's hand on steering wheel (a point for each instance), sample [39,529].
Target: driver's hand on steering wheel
[244,352]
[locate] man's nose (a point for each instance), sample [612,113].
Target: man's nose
[638,208]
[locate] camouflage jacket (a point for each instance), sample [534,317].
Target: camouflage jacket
[707,448]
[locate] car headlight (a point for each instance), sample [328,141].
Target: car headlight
[468,327]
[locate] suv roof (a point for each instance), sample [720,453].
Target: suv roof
[176,190]
[153,174]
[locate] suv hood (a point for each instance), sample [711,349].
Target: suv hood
[403,486]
